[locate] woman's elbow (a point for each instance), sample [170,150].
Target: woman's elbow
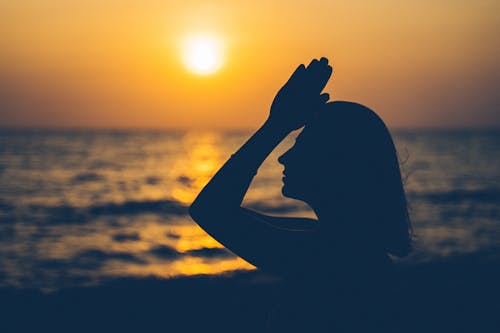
[200,210]
[205,216]
[195,210]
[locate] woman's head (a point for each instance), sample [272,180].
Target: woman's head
[344,160]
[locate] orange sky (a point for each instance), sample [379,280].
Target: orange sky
[116,63]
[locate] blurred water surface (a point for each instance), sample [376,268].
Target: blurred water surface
[80,206]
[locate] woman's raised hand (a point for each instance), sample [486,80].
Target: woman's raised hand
[298,100]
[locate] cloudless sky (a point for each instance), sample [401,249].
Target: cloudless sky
[117,63]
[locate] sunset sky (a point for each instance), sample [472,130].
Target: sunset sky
[122,63]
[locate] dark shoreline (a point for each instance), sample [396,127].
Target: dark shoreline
[458,294]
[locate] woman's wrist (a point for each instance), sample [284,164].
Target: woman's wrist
[260,145]
[277,128]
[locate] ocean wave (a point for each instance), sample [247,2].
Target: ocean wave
[87,177]
[165,252]
[5,206]
[89,260]
[153,180]
[170,207]
[126,237]
[210,252]
[100,164]
[456,196]
[63,214]
[172,235]
[169,253]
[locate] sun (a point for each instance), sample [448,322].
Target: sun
[203,53]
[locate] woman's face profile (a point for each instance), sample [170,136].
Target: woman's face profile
[302,176]
[318,165]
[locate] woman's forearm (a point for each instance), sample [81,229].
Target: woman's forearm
[227,188]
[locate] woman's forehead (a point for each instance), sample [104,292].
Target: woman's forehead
[302,138]
[314,140]
[307,141]
[305,133]
[309,134]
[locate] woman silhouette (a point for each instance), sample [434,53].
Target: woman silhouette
[344,165]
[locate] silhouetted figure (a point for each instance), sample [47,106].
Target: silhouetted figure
[344,165]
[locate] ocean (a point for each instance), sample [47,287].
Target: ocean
[81,206]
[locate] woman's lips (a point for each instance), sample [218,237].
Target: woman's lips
[284,176]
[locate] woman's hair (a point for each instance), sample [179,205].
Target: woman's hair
[358,149]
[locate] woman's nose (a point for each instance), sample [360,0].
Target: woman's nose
[280,159]
[284,158]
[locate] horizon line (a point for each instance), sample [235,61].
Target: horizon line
[222,129]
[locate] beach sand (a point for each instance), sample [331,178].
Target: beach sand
[457,294]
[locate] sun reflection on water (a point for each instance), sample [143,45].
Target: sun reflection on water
[202,160]
[147,242]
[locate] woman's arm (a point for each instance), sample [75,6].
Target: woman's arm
[229,185]
[217,209]
[253,236]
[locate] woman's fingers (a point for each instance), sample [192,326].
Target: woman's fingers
[313,63]
[325,75]
[318,74]
[318,65]
[325,72]
[297,73]
[299,70]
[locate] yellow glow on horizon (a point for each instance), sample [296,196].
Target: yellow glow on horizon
[203,53]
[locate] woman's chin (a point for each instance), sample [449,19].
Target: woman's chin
[294,193]
[285,190]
